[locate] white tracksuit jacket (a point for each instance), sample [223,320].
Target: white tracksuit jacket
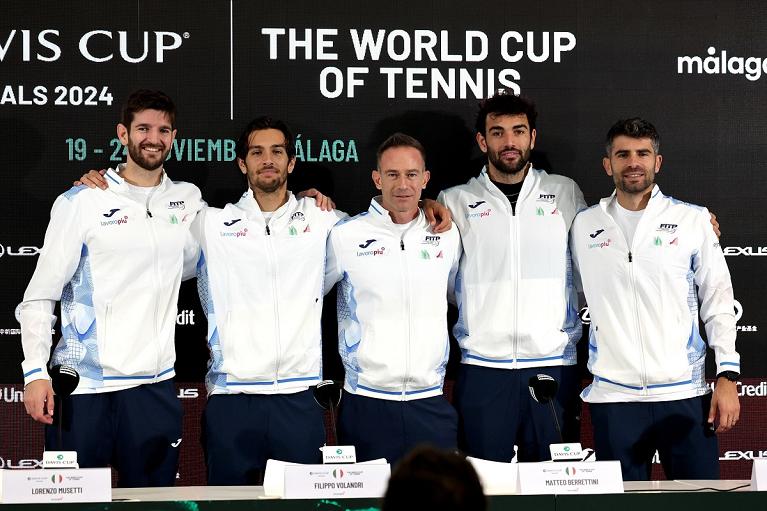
[261,289]
[115,264]
[643,299]
[516,301]
[392,303]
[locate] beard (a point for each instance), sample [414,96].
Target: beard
[509,168]
[134,150]
[637,187]
[270,185]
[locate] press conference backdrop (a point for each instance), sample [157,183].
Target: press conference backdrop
[345,75]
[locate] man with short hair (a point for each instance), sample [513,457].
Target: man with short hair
[395,275]
[260,279]
[651,266]
[517,307]
[115,259]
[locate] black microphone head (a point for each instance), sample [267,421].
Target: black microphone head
[543,388]
[327,392]
[64,380]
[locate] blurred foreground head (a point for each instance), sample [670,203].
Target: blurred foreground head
[430,478]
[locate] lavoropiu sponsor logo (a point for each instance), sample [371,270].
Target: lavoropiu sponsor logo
[375,252]
[117,221]
[602,244]
[479,214]
[235,234]
[745,251]
[8,250]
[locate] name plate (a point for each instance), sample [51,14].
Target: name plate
[339,454]
[336,481]
[759,475]
[60,459]
[566,452]
[560,478]
[44,485]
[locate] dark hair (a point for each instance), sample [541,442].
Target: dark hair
[505,104]
[265,123]
[399,140]
[635,127]
[429,478]
[145,99]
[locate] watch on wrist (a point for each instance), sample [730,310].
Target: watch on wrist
[730,375]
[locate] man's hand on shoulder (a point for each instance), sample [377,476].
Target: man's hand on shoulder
[323,202]
[93,179]
[715,225]
[437,215]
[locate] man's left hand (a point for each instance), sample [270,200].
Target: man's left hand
[437,215]
[725,405]
[323,202]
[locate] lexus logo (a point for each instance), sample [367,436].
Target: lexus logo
[20,251]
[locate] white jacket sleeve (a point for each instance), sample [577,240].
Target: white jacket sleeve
[716,298]
[58,261]
[454,269]
[333,271]
[195,240]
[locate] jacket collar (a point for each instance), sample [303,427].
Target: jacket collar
[528,185]
[118,184]
[378,213]
[655,197]
[248,203]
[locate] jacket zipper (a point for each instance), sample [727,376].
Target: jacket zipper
[153,236]
[406,301]
[514,282]
[637,322]
[272,259]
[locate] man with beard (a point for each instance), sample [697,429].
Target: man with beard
[114,259]
[650,266]
[260,279]
[516,302]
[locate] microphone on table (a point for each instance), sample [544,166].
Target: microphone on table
[327,394]
[64,380]
[543,389]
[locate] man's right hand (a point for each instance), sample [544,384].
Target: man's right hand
[38,400]
[93,179]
